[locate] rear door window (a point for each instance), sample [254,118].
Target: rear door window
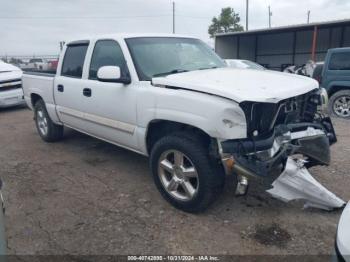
[73,61]
[106,53]
[340,61]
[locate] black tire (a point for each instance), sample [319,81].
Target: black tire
[334,98]
[54,132]
[211,176]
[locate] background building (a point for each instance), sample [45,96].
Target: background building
[279,47]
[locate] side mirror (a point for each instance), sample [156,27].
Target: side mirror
[112,74]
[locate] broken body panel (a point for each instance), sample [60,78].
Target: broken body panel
[279,125]
[297,183]
[274,136]
[277,131]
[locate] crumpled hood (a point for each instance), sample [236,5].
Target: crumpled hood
[8,67]
[241,84]
[9,72]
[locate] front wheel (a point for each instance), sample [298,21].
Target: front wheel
[184,173]
[339,104]
[48,131]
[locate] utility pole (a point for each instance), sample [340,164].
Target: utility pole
[270,14]
[173,17]
[246,15]
[308,16]
[61,45]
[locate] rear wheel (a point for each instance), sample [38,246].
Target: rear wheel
[47,130]
[339,104]
[184,173]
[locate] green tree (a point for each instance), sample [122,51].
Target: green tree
[228,21]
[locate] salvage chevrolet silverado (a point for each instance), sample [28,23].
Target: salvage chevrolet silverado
[173,99]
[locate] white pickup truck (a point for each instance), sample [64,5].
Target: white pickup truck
[11,93]
[173,99]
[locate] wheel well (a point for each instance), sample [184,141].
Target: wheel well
[160,128]
[34,98]
[335,89]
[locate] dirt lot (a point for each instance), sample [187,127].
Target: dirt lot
[84,196]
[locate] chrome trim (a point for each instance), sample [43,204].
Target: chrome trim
[122,126]
[178,175]
[9,84]
[276,115]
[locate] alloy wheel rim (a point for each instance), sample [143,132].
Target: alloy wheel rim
[341,106]
[178,175]
[42,122]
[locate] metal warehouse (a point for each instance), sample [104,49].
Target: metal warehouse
[277,48]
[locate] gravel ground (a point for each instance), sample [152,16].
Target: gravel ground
[84,196]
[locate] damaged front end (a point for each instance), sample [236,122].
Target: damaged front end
[295,127]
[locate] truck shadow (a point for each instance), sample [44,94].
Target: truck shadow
[13,109]
[98,153]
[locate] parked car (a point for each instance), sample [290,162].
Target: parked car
[11,93]
[53,65]
[342,243]
[243,64]
[173,99]
[336,80]
[42,65]
[3,241]
[31,63]
[36,63]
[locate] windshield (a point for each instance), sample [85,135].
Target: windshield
[161,56]
[244,64]
[253,65]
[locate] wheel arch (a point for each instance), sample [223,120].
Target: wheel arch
[35,98]
[159,128]
[51,108]
[336,88]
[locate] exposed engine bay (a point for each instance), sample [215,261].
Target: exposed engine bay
[295,128]
[276,131]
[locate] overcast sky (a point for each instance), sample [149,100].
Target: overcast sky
[30,27]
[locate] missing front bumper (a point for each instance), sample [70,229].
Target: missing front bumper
[271,159]
[265,156]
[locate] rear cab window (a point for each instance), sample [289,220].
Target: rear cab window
[339,61]
[74,58]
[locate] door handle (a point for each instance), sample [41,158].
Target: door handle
[60,88]
[87,92]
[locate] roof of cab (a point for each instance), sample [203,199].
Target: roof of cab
[124,36]
[339,49]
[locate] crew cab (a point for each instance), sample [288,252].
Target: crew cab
[11,93]
[173,99]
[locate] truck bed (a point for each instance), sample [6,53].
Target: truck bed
[38,83]
[49,73]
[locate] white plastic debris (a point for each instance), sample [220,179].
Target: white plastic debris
[297,183]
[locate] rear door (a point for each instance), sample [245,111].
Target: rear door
[68,86]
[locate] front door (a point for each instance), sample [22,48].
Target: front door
[110,108]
